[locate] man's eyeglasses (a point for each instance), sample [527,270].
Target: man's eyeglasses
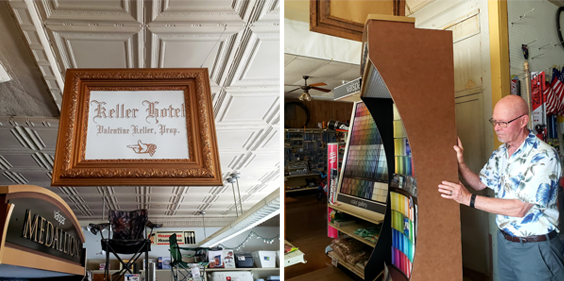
[503,124]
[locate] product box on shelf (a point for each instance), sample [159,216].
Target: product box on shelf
[231,275]
[228,259]
[265,259]
[166,263]
[215,259]
[243,260]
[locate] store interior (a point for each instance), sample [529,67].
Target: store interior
[488,60]
[237,42]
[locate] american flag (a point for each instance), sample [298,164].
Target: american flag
[552,102]
[554,94]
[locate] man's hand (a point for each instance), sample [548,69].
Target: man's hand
[455,191]
[459,152]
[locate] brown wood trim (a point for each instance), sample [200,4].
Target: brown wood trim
[32,191]
[9,209]
[3,219]
[322,21]
[19,256]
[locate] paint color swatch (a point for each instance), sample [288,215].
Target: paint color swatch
[403,232]
[365,172]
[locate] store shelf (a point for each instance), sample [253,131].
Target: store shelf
[350,229]
[353,268]
[297,176]
[301,189]
[366,215]
[243,269]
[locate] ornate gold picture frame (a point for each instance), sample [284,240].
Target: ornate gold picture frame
[136,127]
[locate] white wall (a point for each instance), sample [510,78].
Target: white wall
[94,248]
[537,29]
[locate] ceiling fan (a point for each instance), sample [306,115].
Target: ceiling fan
[305,88]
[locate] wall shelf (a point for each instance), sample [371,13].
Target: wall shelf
[353,268]
[366,215]
[350,229]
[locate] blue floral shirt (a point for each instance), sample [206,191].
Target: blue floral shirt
[531,175]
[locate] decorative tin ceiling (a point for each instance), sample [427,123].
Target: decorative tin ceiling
[238,41]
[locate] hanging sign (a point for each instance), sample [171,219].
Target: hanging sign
[136,127]
[183,237]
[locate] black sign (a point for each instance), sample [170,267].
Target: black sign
[362,203]
[40,225]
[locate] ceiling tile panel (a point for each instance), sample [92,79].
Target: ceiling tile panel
[235,108]
[193,47]
[114,50]
[197,11]
[107,10]
[260,58]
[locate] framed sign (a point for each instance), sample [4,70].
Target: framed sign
[136,127]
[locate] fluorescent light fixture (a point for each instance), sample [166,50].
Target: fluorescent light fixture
[259,213]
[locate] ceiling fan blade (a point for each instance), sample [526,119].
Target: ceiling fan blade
[292,90]
[321,89]
[317,84]
[292,85]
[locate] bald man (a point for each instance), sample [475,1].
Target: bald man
[524,173]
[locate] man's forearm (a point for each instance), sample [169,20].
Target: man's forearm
[506,207]
[470,177]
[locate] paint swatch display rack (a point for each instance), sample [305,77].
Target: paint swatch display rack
[414,72]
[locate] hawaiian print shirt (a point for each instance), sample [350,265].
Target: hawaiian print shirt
[531,175]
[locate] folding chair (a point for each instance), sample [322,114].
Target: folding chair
[128,237]
[181,270]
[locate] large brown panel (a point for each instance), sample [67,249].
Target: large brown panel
[416,65]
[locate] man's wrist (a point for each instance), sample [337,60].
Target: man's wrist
[472,201]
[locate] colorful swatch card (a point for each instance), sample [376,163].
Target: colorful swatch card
[365,172]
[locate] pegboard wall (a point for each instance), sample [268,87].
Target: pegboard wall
[534,23]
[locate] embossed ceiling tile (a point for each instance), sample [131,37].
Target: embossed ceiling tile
[113,49]
[125,190]
[107,10]
[270,13]
[260,60]
[89,191]
[48,136]
[235,107]
[36,178]
[264,159]
[232,160]
[270,139]
[199,190]
[189,47]
[191,198]
[7,140]
[19,161]
[235,137]
[196,11]
[253,175]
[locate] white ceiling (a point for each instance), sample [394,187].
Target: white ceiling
[332,73]
[237,40]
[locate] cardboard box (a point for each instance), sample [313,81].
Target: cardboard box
[132,277]
[215,259]
[166,263]
[228,259]
[264,259]
[160,263]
